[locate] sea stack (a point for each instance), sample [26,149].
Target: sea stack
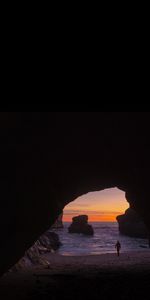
[80,225]
[131,224]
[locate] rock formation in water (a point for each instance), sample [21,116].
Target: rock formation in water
[59,222]
[49,159]
[80,225]
[131,224]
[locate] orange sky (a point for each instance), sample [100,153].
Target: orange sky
[101,206]
[95,218]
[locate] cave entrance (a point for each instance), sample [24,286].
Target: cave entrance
[102,208]
[99,210]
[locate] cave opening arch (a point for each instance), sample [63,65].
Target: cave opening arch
[101,205]
[46,157]
[101,208]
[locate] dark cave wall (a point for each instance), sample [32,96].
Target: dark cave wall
[49,159]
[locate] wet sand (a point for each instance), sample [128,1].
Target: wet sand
[82,277]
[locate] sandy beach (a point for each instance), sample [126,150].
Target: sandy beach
[82,277]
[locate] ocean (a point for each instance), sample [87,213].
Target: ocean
[103,241]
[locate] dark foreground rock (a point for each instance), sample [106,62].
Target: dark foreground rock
[58,223]
[53,240]
[102,277]
[131,224]
[80,225]
[48,242]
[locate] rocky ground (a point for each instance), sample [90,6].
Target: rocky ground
[90,277]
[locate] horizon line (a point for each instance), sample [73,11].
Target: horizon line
[94,221]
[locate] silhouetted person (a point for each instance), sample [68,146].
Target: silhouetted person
[118,247]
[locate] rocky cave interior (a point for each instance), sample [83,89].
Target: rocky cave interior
[49,159]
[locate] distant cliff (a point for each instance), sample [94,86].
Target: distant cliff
[131,224]
[58,223]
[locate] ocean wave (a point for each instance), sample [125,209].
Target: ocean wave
[103,241]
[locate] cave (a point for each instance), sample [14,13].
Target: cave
[49,159]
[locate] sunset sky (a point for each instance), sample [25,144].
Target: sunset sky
[99,206]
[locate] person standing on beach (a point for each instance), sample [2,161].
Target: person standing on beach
[118,247]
